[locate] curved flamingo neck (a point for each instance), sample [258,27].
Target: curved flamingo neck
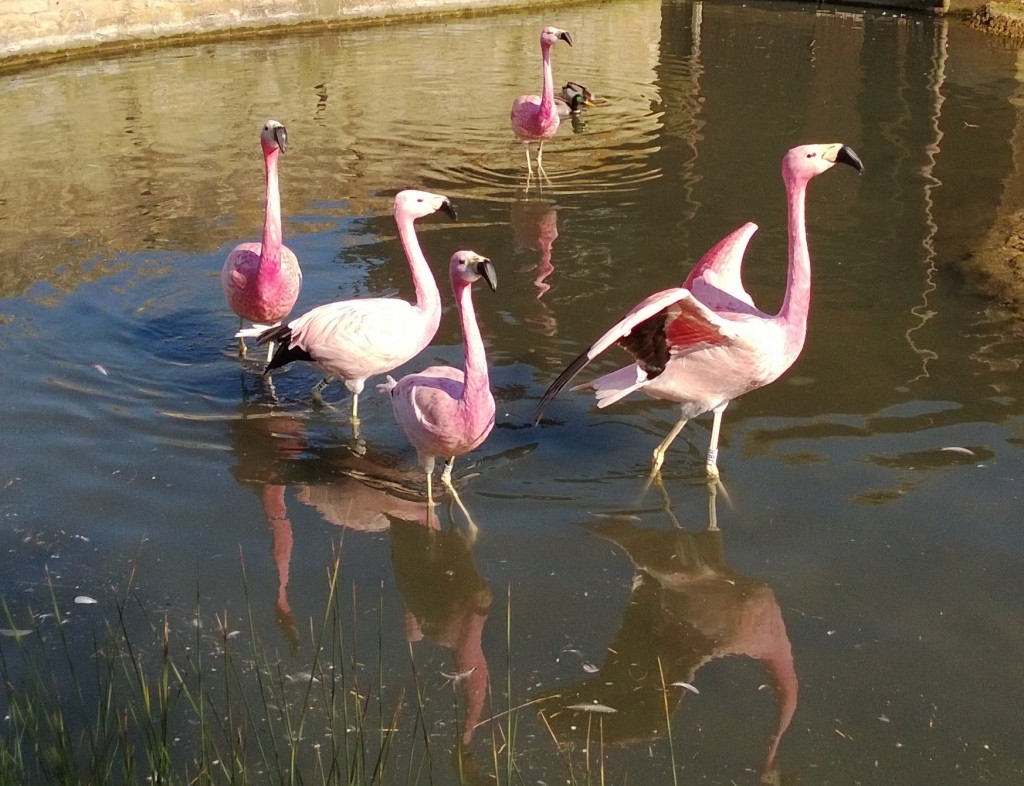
[547,92]
[477,383]
[798,280]
[270,249]
[428,299]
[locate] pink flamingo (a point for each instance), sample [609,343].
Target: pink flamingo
[442,410]
[705,343]
[535,118]
[357,339]
[261,281]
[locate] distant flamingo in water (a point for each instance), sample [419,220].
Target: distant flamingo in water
[261,281]
[442,410]
[705,343]
[535,118]
[357,339]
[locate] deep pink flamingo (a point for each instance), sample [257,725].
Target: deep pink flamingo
[261,281]
[705,343]
[443,410]
[535,118]
[357,339]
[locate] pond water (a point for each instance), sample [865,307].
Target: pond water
[862,595]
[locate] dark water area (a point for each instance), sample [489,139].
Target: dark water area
[862,595]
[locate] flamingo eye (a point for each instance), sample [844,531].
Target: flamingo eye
[811,155]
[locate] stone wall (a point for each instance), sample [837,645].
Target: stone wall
[32,29]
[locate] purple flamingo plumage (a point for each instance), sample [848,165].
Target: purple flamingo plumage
[705,343]
[261,281]
[356,339]
[535,118]
[445,411]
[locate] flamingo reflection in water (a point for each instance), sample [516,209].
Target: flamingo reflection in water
[447,602]
[687,608]
[348,486]
[535,226]
[266,443]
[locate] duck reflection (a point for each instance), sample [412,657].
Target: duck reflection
[687,608]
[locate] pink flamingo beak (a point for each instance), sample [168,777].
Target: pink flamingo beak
[449,208]
[566,37]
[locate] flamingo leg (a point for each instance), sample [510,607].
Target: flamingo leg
[427,462]
[716,430]
[529,166]
[241,341]
[666,502]
[713,488]
[318,389]
[540,162]
[713,506]
[659,452]
[446,478]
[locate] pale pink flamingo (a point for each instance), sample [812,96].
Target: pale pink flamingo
[705,343]
[443,410]
[535,118]
[357,339]
[261,281]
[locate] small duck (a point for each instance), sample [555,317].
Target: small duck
[572,100]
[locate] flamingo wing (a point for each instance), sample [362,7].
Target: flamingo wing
[716,280]
[354,337]
[664,325]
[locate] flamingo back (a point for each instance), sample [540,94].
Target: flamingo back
[356,339]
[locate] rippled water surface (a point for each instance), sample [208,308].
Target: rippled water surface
[857,618]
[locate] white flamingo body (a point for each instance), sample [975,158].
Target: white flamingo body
[705,343]
[376,335]
[356,339]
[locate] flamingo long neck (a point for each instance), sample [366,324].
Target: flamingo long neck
[547,92]
[428,299]
[270,250]
[798,280]
[477,383]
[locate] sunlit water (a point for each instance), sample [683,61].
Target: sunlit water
[866,576]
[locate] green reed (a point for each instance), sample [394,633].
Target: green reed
[148,704]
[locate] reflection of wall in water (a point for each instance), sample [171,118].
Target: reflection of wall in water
[159,151]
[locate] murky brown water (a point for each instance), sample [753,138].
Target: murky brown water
[865,580]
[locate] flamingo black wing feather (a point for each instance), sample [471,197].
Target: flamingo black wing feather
[283,355]
[563,379]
